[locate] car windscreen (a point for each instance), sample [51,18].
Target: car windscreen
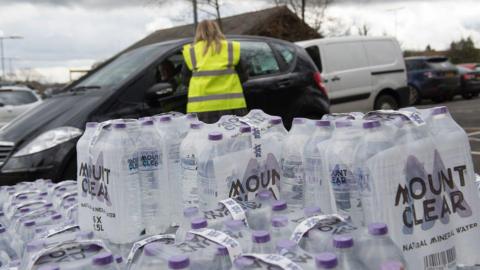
[122,68]
[439,63]
[15,98]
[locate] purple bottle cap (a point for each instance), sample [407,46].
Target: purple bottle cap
[190,211]
[29,223]
[44,193]
[378,229]
[298,121]
[234,225]
[2,229]
[49,267]
[2,214]
[104,258]
[392,265]
[245,129]
[165,118]
[243,262]
[286,244]
[261,236]
[35,245]
[48,205]
[279,221]
[215,136]
[118,259]
[222,250]
[147,123]
[371,124]
[439,110]
[91,124]
[22,197]
[326,260]
[119,125]
[312,210]
[93,248]
[199,223]
[343,123]
[178,262]
[322,123]
[342,241]
[152,249]
[25,210]
[62,189]
[264,195]
[275,120]
[279,205]
[192,116]
[196,125]
[56,216]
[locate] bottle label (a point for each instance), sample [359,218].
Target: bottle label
[343,182]
[189,180]
[313,221]
[276,260]
[60,230]
[139,244]
[221,238]
[234,208]
[149,159]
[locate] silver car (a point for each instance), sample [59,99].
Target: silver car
[14,100]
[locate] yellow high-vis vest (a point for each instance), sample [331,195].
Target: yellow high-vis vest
[215,85]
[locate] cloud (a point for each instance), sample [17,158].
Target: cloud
[97,4]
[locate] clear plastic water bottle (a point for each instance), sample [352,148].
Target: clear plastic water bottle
[243,140]
[292,184]
[190,149]
[340,169]
[243,263]
[317,186]
[209,190]
[285,245]
[171,148]
[259,219]
[179,262]
[273,136]
[153,185]
[279,208]
[347,256]
[395,265]
[240,232]
[6,244]
[104,261]
[83,161]
[198,223]
[326,260]
[189,214]
[378,247]
[153,257]
[280,228]
[124,188]
[28,231]
[221,260]
[261,242]
[374,140]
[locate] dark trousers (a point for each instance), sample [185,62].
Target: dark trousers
[212,117]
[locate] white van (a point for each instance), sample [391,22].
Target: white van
[361,73]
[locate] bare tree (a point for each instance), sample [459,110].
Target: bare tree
[364,30]
[311,12]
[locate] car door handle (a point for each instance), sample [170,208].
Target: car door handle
[284,83]
[335,78]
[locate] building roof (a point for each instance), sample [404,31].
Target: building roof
[277,22]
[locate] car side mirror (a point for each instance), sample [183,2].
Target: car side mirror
[159,90]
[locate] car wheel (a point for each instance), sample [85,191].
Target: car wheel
[414,95]
[386,102]
[468,95]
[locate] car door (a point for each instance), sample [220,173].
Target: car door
[268,77]
[347,76]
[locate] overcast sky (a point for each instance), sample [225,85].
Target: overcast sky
[62,34]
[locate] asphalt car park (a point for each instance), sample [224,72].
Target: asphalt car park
[467,115]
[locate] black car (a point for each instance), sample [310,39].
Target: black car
[432,78]
[283,81]
[469,82]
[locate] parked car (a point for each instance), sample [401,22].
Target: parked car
[472,66]
[15,100]
[361,73]
[41,143]
[431,77]
[469,82]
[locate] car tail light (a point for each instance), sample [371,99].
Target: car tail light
[428,74]
[318,80]
[468,77]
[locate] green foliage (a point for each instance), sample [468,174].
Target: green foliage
[463,51]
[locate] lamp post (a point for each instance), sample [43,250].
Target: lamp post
[2,52]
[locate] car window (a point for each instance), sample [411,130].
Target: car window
[259,58]
[381,52]
[314,53]
[285,52]
[16,98]
[439,63]
[415,65]
[345,56]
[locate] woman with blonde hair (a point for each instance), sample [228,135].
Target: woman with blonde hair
[213,72]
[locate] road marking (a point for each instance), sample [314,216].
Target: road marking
[476,153]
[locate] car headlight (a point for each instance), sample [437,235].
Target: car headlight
[48,140]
